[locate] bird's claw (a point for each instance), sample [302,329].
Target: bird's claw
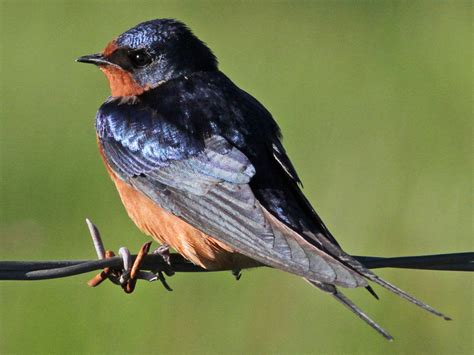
[163,281]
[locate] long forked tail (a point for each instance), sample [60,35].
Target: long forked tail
[360,268]
[403,294]
[340,297]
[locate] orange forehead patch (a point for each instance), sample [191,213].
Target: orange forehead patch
[111,47]
[121,83]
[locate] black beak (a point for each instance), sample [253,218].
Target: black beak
[96,59]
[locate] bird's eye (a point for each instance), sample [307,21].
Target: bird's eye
[139,58]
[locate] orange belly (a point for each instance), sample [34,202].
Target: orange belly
[165,227]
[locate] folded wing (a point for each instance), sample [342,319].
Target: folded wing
[211,192]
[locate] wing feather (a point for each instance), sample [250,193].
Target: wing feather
[210,191]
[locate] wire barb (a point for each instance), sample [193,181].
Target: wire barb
[127,275]
[96,239]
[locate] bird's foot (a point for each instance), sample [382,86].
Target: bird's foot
[164,251]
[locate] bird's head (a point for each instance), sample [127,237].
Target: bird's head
[150,54]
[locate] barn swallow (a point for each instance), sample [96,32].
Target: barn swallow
[200,166]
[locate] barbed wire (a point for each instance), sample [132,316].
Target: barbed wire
[43,270]
[126,268]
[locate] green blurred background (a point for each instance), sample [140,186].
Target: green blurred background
[374,100]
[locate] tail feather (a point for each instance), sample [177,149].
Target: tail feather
[340,297]
[357,266]
[405,295]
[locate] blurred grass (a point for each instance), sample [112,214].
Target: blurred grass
[374,100]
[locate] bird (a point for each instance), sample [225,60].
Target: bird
[200,166]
